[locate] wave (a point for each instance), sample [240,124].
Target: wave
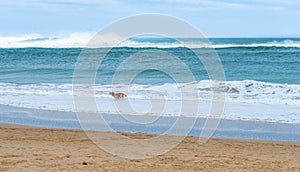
[80,40]
[37,40]
[203,44]
[245,100]
[236,91]
[284,44]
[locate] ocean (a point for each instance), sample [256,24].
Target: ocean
[262,78]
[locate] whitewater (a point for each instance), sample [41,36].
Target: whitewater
[81,39]
[262,76]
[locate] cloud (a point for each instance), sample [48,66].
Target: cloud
[197,5]
[51,17]
[193,5]
[271,3]
[57,4]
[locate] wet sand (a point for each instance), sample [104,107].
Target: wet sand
[40,149]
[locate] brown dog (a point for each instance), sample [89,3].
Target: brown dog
[117,95]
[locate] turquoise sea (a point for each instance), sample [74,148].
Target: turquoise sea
[262,80]
[272,60]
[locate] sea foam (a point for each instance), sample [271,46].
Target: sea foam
[246,100]
[81,39]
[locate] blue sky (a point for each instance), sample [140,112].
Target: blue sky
[214,18]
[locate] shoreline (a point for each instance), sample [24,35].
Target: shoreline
[27,148]
[21,126]
[242,129]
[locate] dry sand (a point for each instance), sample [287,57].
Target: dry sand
[40,149]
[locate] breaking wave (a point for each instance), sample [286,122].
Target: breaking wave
[245,100]
[236,91]
[80,40]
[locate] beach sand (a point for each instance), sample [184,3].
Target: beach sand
[40,149]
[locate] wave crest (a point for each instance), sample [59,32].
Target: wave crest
[80,40]
[236,91]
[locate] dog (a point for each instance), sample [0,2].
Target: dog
[117,95]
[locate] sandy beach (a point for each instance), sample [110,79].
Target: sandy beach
[150,86]
[40,149]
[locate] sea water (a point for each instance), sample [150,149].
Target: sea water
[262,77]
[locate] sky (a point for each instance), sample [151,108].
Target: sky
[214,18]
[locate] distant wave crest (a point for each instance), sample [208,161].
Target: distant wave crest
[80,39]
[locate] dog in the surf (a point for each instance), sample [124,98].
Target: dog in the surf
[118,95]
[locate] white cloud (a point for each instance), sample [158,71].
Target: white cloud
[277,1]
[196,5]
[200,4]
[52,4]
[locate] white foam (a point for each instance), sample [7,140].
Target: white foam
[285,43]
[81,39]
[246,100]
[37,40]
[203,44]
[236,91]
[259,92]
